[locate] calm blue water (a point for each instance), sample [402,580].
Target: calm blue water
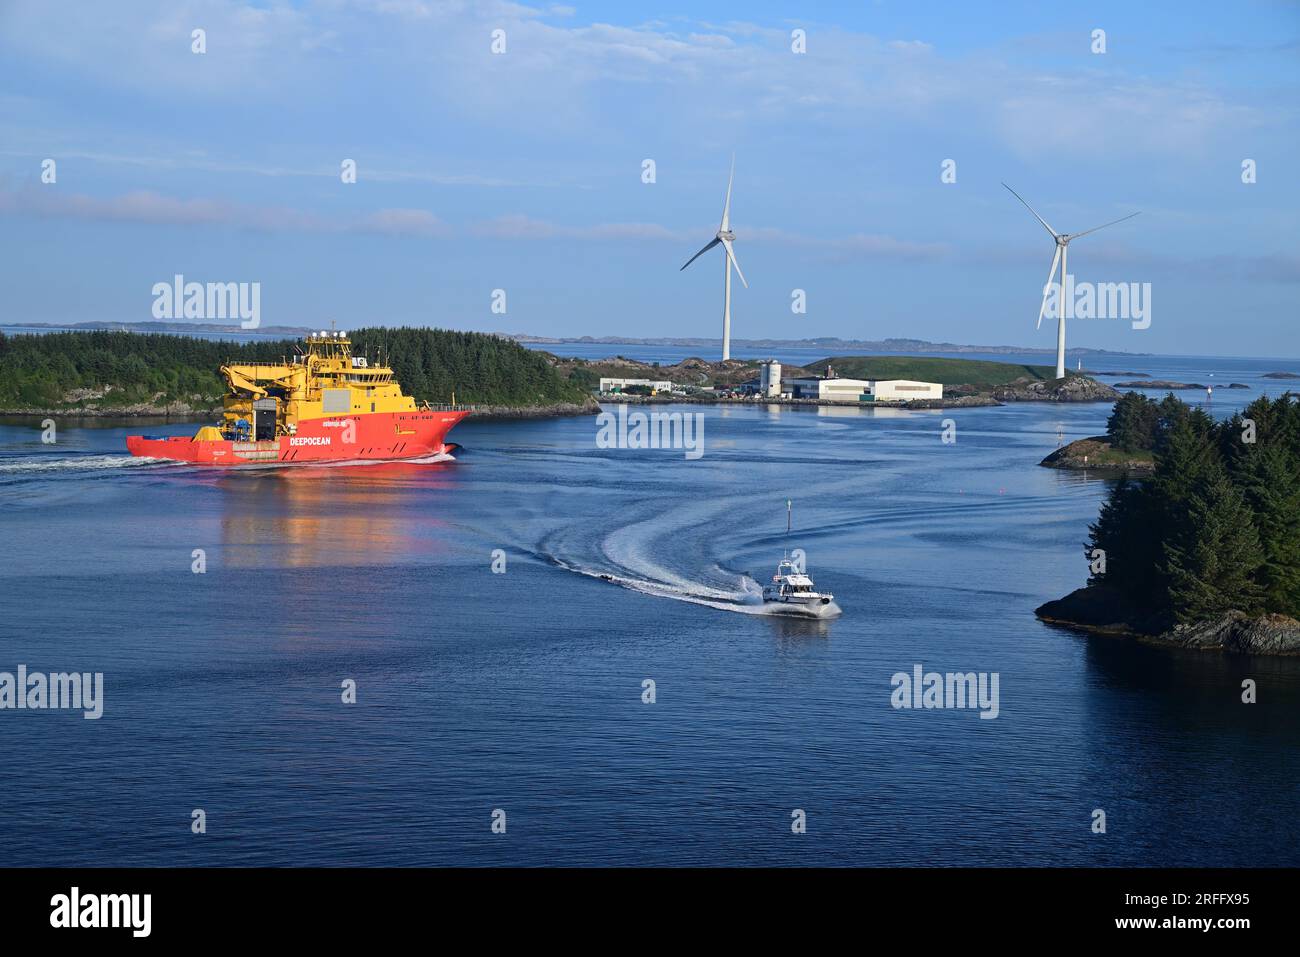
[522,691]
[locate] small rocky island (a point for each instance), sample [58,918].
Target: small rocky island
[1073,388]
[1100,454]
[1171,386]
[1204,551]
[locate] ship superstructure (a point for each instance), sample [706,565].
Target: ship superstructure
[322,404]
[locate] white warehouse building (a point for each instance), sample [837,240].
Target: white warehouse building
[618,385]
[905,389]
[835,389]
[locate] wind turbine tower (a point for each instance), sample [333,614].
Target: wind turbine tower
[725,237]
[1063,241]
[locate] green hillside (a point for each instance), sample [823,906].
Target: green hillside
[65,370]
[951,372]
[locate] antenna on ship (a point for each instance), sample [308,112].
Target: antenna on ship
[789,506]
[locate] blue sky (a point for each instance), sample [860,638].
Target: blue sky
[522,171]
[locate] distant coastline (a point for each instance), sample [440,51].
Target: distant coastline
[829,343]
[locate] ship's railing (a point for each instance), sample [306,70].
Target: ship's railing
[446,407]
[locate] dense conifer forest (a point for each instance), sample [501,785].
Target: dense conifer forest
[1217,526]
[42,371]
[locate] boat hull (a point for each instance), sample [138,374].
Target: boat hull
[375,436]
[821,607]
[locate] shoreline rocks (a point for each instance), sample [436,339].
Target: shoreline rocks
[1073,388]
[558,410]
[1096,454]
[1176,386]
[1101,610]
[956,402]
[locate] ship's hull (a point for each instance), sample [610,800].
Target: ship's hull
[375,436]
[822,606]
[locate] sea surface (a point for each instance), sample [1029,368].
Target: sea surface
[523,691]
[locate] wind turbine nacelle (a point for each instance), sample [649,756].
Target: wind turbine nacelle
[726,235]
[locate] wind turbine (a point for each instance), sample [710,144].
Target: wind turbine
[1062,250]
[725,236]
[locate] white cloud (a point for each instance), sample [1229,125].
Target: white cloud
[567,75]
[528,228]
[149,208]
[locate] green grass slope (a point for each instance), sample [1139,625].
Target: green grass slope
[973,372]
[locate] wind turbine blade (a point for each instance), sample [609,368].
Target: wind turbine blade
[702,252]
[726,244]
[1032,210]
[1047,285]
[1103,225]
[726,208]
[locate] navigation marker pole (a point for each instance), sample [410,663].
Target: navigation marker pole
[785,552]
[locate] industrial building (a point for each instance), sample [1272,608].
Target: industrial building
[832,388]
[829,389]
[618,385]
[900,389]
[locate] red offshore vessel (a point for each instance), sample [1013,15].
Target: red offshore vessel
[325,405]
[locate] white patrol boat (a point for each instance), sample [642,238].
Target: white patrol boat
[792,591]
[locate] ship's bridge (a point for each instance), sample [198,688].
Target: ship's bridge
[329,356]
[323,380]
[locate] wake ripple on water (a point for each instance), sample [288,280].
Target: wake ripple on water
[652,556]
[27,465]
[31,465]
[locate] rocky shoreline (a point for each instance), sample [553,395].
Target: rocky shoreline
[1101,610]
[558,410]
[179,413]
[1175,386]
[956,402]
[1073,388]
[1096,454]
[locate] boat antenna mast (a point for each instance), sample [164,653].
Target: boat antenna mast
[789,506]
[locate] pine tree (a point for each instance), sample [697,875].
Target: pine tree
[1132,423]
[1214,555]
[1272,486]
[1184,461]
[1125,531]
